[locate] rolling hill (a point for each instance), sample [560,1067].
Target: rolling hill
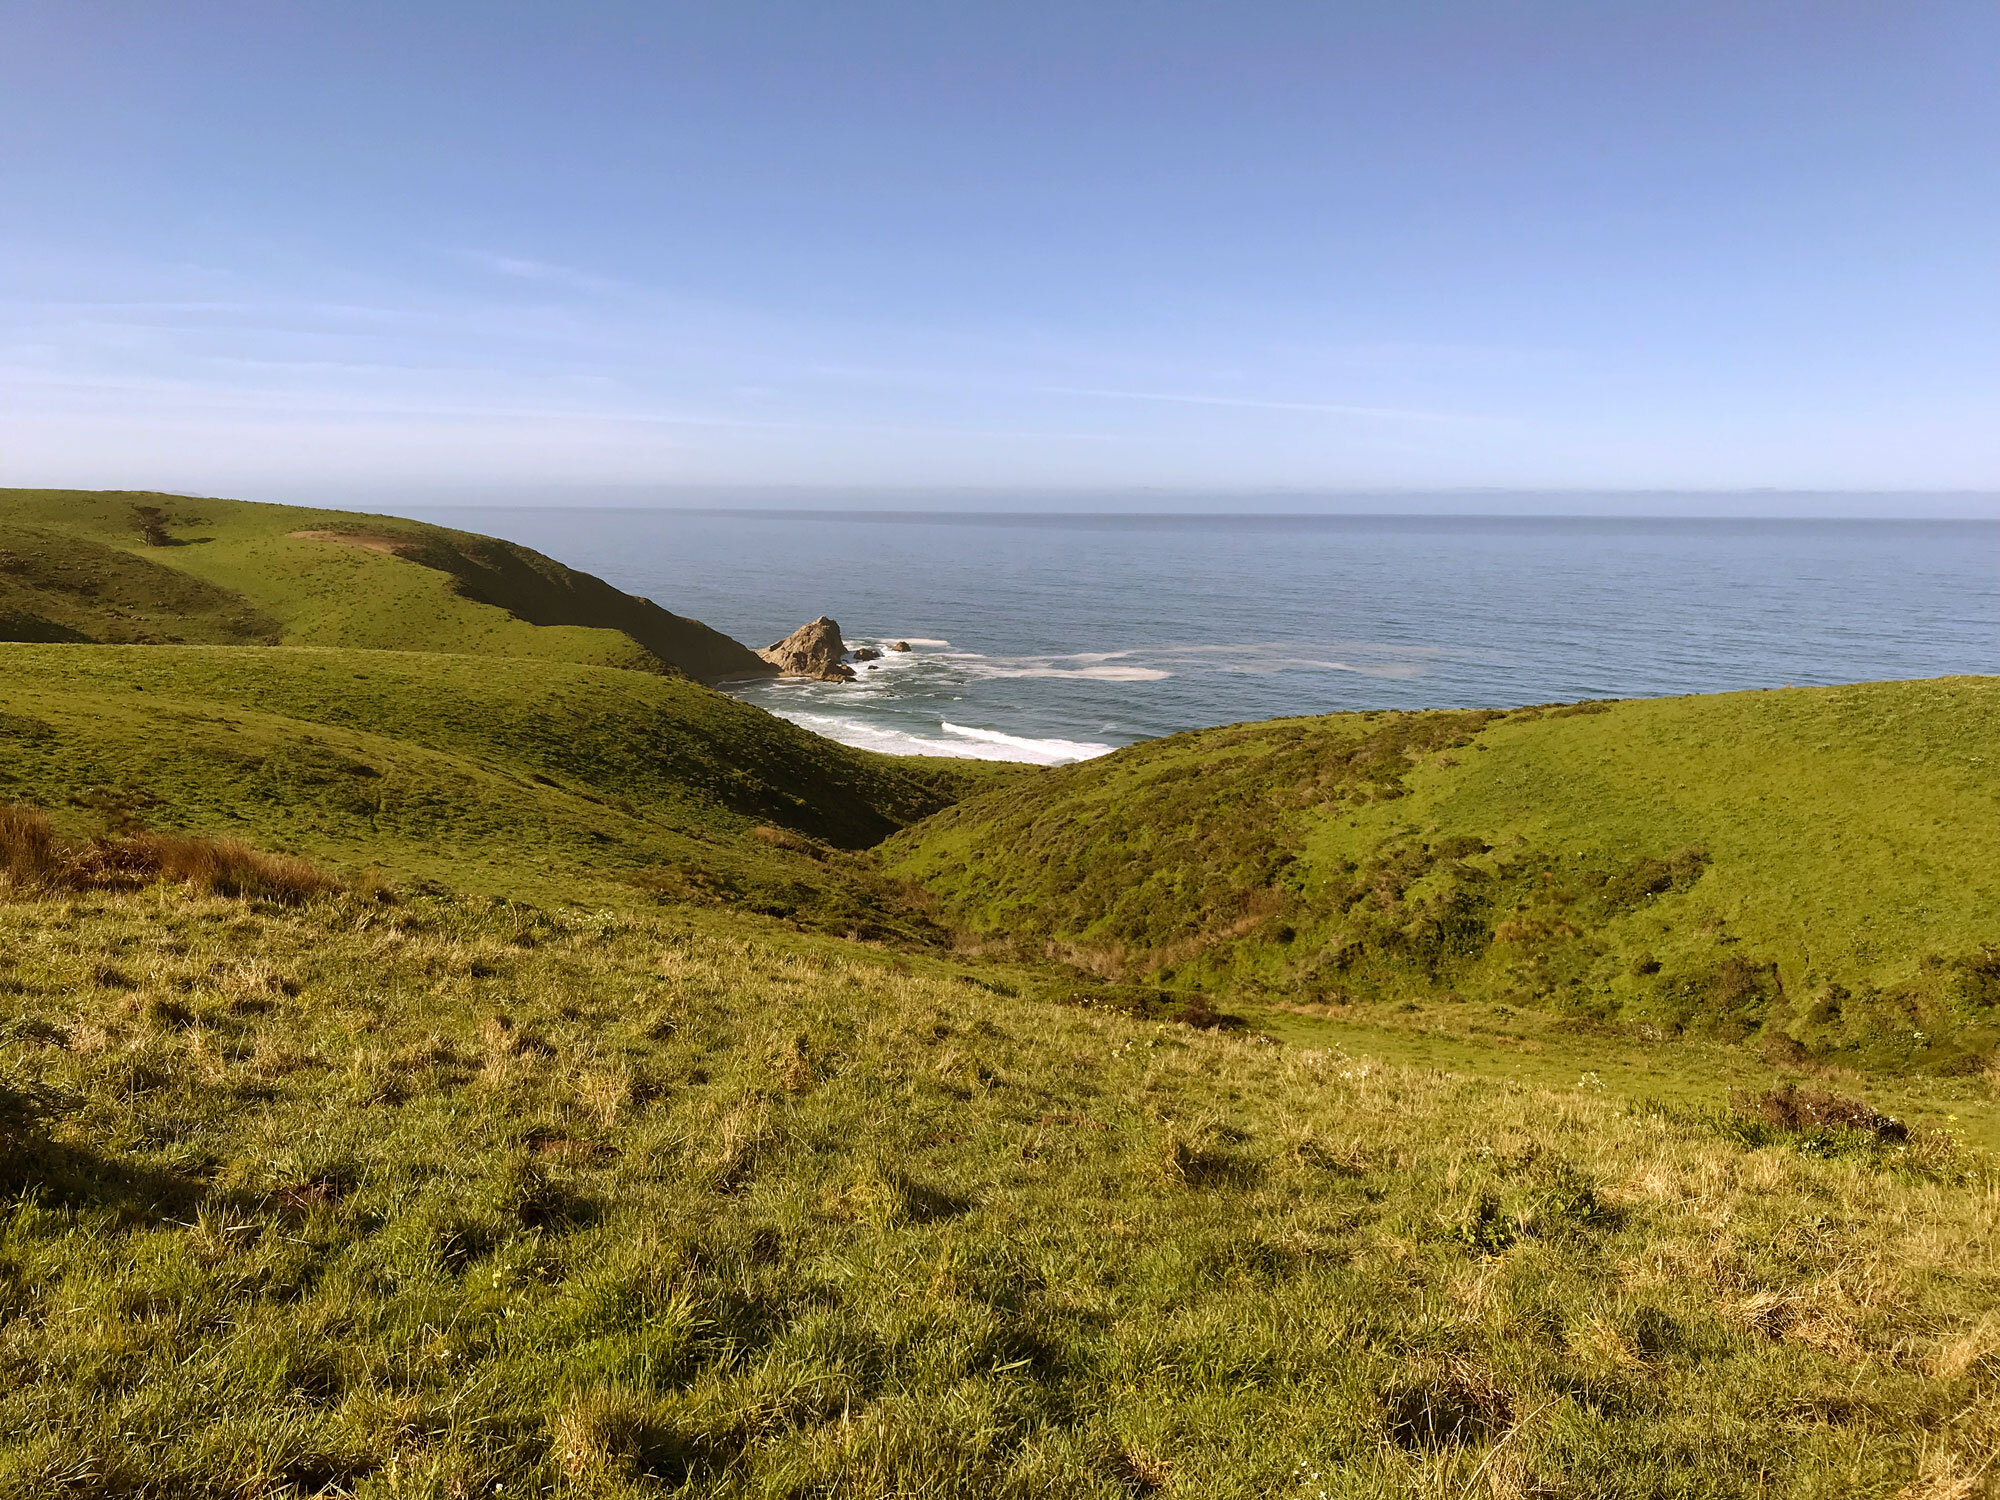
[133,567]
[1815,868]
[512,775]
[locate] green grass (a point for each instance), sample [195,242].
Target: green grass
[511,776]
[76,565]
[1544,1050]
[1814,868]
[449,1198]
[55,586]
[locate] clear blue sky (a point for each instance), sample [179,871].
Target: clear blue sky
[287,249]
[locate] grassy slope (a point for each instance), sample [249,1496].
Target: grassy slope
[442,1199]
[1815,865]
[503,775]
[56,586]
[454,1196]
[238,575]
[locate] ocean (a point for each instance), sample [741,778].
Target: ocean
[1051,638]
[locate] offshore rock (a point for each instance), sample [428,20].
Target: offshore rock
[864,653]
[813,650]
[899,645]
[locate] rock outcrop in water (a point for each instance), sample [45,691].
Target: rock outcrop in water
[814,650]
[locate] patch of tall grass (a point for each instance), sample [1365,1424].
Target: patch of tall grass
[35,859]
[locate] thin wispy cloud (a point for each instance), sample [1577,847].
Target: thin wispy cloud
[22,385]
[548,273]
[1254,403]
[51,305]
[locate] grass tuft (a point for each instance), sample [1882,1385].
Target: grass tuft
[1793,1109]
[1449,1402]
[33,858]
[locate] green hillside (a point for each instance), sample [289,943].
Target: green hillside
[515,776]
[115,567]
[1817,868]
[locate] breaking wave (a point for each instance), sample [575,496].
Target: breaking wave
[1042,752]
[956,740]
[1091,674]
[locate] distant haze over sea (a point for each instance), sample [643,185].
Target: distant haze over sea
[1049,637]
[857,500]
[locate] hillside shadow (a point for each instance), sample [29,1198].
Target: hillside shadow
[38,631]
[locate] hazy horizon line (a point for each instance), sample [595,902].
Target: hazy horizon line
[886,501]
[879,514]
[1769,502]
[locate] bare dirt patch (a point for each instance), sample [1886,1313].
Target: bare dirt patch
[366,541]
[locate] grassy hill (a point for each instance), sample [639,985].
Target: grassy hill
[1817,868]
[513,776]
[115,567]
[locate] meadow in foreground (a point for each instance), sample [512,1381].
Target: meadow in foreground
[449,1196]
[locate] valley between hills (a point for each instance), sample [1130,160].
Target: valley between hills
[448,1048]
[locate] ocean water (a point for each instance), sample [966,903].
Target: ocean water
[1051,638]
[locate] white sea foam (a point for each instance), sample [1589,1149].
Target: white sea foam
[864,735]
[1158,663]
[1268,659]
[978,665]
[884,707]
[1043,752]
[957,741]
[892,662]
[1091,674]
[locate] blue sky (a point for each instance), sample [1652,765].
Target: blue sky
[349,249]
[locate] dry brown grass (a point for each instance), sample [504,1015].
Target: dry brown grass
[28,851]
[1950,1479]
[599,1432]
[35,858]
[366,541]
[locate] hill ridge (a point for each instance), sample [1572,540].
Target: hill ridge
[121,566]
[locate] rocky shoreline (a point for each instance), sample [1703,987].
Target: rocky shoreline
[816,650]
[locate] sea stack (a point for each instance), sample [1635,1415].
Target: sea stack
[814,650]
